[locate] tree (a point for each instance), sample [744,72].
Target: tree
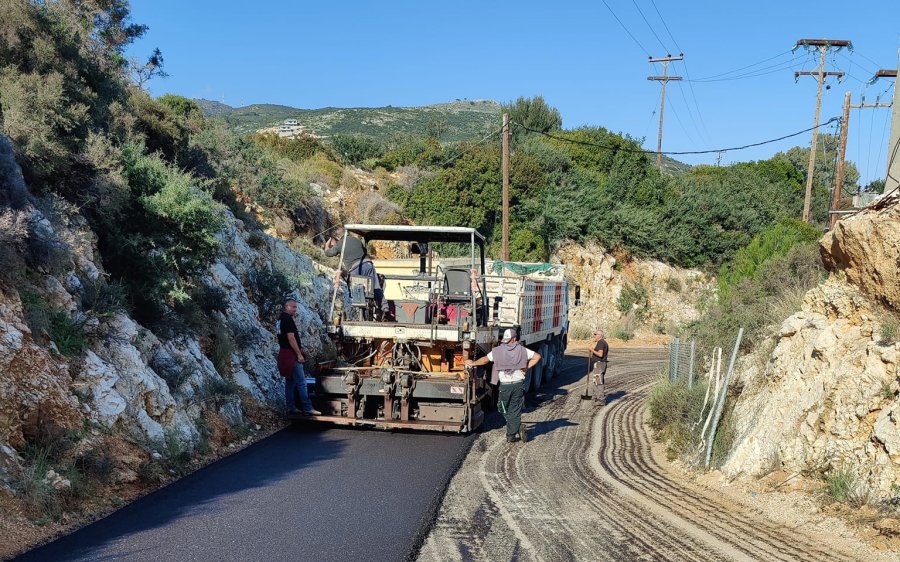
[533,113]
[826,160]
[153,68]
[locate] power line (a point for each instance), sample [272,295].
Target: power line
[663,20]
[705,131]
[705,78]
[778,67]
[633,38]
[471,148]
[680,124]
[887,118]
[681,152]
[653,31]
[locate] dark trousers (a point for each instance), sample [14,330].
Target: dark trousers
[512,399]
[599,374]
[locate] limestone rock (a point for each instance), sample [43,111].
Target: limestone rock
[866,248]
[827,398]
[673,294]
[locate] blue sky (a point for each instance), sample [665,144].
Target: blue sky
[574,53]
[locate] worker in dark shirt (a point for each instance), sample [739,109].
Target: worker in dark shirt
[599,358]
[356,260]
[290,361]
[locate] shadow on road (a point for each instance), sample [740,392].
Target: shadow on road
[260,464]
[538,429]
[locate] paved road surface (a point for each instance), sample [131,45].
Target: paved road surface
[302,494]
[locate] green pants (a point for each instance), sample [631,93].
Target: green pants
[512,399]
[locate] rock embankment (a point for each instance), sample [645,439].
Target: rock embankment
[637,298]
[151,388]
[826,399]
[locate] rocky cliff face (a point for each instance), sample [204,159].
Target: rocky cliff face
[130,380]
[827,397]
[640,297]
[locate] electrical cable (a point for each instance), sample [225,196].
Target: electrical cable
[881,144]
[705,78]
[471,148]
[687,73]
[678,119]
[679,152]
[653,31]
[633,38]
[869,152]
[764,71]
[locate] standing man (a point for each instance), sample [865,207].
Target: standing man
[599,358]
[356,260]
[511,362]
[290,361]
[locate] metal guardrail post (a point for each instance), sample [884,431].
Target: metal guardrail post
[691,366]
[720,404]
[677,360]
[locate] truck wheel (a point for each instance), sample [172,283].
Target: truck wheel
[552,362]
[538,377]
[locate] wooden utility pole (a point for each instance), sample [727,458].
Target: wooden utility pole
[823,45]
[842,153]
[664,79]
[505,170]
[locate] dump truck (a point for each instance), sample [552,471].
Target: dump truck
[403,335]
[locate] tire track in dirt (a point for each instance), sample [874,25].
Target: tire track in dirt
[625,456]
[556,502]
[588,487]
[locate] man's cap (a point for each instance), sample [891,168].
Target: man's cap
[508,335]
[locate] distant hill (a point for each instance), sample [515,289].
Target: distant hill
[672,166]
[458,120]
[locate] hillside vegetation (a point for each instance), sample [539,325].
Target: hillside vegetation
[451,122]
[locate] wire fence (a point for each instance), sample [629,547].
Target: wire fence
[690,363]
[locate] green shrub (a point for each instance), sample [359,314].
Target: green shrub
[67,333]
[97,463]
[840,484]
[759,304]
[103,297]
[37,316]
[219,391]
[205,431]
[222,348]
[622,334]
[888,331]
[578,331]
[673,284]
[634,296]
[296,149]
[674,409]
[172,372]
[269,288]
[770,243]
[13,241]
[353,149]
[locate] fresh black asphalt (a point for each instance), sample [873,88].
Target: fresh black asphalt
[305,493]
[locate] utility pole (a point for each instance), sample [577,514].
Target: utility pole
[839,173]
[664,79]
[823,45]
[505,170]
[892,177]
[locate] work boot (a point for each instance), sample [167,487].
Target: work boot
[312,413]
[512,438]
